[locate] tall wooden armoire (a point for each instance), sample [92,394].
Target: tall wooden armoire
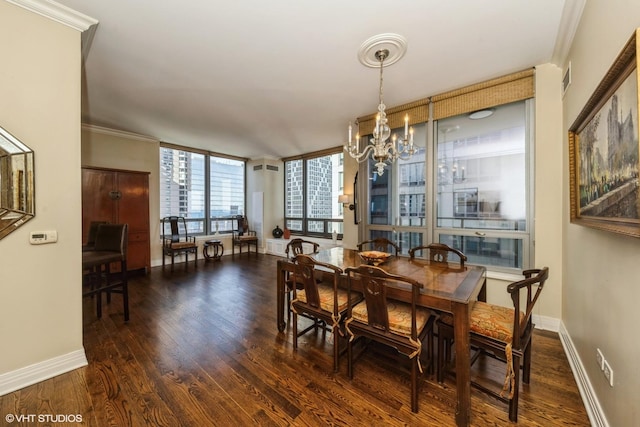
[119,197]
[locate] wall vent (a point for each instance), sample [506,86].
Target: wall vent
[566,79]
[257,168]
[272,168]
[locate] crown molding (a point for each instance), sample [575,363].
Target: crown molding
[57,12]
[118,133]
[569,22]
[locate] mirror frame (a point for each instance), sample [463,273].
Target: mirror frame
[17,190]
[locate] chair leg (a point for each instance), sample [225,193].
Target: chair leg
[414,384]
[125,291]
[349,357]
[442,353]
[336,348]
[295,330]
[526,364]
[513,403]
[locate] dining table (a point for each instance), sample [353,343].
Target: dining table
[446,287]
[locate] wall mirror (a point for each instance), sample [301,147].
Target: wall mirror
[17,193]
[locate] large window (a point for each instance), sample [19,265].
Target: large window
[312,187]
[483,186]
[207,190]
[470,187]
[397,199]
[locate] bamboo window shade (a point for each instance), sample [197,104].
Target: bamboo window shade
[418,112]
[503,90]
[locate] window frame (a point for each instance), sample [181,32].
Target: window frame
[430,230]
[305,218]
[206,226]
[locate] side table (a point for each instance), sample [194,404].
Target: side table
[216,247]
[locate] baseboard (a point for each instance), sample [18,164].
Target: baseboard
[591,403]
[546,323]
[23,377]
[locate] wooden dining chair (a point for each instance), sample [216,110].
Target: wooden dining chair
[381,244]
[294,248]
[503,333]
[326,303]
[439,253]
[400,325]
[176,240]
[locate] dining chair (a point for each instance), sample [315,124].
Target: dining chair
[400,325]
[326,303]
[381,244]
[294,248]
[504,333]
[439,253]
[110,247]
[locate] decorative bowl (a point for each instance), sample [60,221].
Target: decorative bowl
[374,257]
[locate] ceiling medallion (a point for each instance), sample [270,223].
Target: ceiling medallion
[380,51]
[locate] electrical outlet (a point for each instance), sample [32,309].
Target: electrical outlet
[608,373]
[600,359]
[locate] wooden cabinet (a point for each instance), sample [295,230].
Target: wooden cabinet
[119,197]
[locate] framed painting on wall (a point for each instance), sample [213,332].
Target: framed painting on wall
[604,151]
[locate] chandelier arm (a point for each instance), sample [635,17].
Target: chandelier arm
[360,157]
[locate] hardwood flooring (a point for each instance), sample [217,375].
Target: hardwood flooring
[202,349]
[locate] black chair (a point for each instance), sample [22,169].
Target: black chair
[381,244]
[110,247]
[176,240]
[323,302]
[91,236]
[503,333]
[400,325]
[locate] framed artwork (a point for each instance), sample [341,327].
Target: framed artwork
[604,151]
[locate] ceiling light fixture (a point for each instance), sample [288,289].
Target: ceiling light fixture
[389,47]
[481,114]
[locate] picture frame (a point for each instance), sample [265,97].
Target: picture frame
[604,151]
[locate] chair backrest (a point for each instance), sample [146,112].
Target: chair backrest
[374,282]
[112,238]
[523,326]
[381,244]
[174,229]
[93,232]
[297,246]
[439,253]
[306,269]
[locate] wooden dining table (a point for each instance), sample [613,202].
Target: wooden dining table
[446,287]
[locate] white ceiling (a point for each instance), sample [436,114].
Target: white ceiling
[277,78]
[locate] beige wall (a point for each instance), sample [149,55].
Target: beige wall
[601,281]
[120,150]
[40,286]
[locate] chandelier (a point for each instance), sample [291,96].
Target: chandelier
[381,150]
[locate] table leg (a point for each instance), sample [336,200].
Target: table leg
[463,363]
[280,298]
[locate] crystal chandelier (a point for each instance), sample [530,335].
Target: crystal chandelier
[383,152]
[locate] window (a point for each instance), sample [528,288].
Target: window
[207,190]
[312,187]
[478,179]
[483,182]
[397,199]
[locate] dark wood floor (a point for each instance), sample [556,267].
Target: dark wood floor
[202,349]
